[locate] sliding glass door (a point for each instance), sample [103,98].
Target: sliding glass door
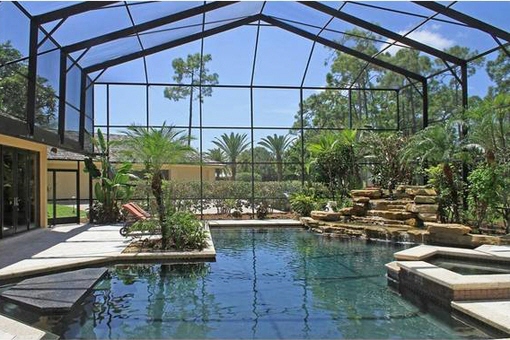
[18,198]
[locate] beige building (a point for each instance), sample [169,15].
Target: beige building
[40,183]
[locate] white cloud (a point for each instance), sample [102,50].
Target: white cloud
[426,37]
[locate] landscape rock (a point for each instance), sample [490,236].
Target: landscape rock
[422,208]
[428,217]
[325,215]
[309,222]
[361,199]
[370,193]
[391,215]
[425,199]
[451,229]
[356,210]
[420,191]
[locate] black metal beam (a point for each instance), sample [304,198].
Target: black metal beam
[466,19]
[68,11]
[32,77]
[171,44]
[425,103]
[83,105]
[382,31]
[347,50]
[62,96]
[147,25]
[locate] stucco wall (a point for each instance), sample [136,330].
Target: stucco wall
[66,183]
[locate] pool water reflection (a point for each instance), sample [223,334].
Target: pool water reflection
[265,284]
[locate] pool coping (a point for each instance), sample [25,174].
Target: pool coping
[270,223]
[11,329]
[483,298]
[37,265]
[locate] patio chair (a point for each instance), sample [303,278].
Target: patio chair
[134,213]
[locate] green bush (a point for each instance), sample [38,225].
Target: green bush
[486,183]
[246,177]
[302,204]
[185,232]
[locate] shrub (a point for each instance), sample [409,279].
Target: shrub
[262,210]
[185,232]
[485,185]
[246,177]
[302,204]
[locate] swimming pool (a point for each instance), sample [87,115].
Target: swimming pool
[277,283]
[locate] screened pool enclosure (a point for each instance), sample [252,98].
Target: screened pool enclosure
[274,69]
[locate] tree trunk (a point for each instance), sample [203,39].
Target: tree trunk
[234,170]
[447,170]
[279,169]
[157,191]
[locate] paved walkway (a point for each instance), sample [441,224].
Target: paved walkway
[62,247]
[74,246]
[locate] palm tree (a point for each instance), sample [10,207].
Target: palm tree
[333,156]
[277,146]
[217,155]
[232,145]
[154,148]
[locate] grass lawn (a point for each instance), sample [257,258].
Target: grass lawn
[65,211]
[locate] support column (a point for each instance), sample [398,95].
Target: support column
[425,95]
[32,76]
[464,128]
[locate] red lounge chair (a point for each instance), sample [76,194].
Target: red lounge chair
[135,213]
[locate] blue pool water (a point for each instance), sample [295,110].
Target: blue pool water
[265,284]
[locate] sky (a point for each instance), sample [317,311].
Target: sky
[281,58]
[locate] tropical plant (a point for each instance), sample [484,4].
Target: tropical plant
[383,151]
[302,204]
[334,161]
[154,148]
[112,186]
[438,146]
[486,186]
[232,145]
[183,231]
[489,131]
[277,144]
[194,71]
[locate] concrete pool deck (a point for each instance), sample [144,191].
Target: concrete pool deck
[45,251]
[484,298]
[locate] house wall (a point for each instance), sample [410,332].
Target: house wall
[177,173]
[66,181]
[41,150]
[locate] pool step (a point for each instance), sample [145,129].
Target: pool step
[55,293]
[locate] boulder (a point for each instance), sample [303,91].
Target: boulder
[376,233]
[414,222]
[384,204]
[422,208]
[325,215]
[309,222]
[420,191]
[418,236]
[361,199]
[447,230]
[425,199]
[356,210]
[391,215]
[370,193]
[428,217]
[478,240]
